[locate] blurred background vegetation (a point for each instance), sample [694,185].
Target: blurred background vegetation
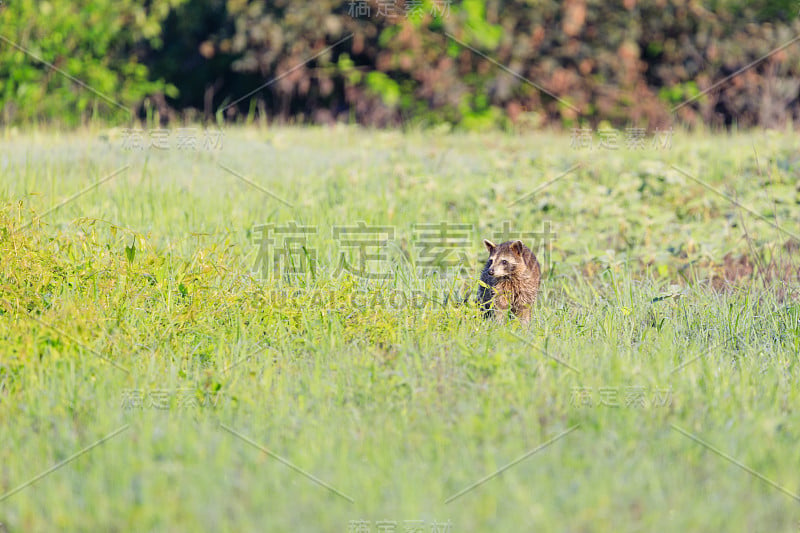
[389,63]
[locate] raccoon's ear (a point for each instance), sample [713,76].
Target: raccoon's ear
[489,245]
[517,247]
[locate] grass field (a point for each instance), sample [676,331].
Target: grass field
[171,362]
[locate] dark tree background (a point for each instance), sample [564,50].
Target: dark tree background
[386,63]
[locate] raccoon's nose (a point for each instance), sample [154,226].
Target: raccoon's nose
[491,272]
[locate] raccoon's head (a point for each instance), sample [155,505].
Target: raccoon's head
[504,259]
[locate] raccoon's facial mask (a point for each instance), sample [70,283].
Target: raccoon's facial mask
[502,260]
[501,265]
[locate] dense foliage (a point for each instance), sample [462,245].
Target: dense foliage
[65,60]
[388,62]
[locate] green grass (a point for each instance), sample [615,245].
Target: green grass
[640,361]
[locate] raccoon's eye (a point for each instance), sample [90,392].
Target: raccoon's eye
[504,262]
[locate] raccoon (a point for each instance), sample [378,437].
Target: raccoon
[510,280]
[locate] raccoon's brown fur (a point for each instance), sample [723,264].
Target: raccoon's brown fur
[510,280]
